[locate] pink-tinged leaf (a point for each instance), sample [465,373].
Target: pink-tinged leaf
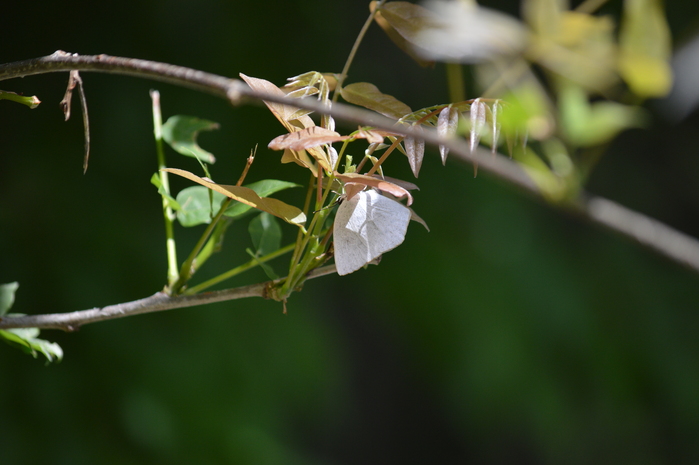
[291,119]
[288,213]
[478,114]
[301,158]
[305,138]
[496,109]
[284,113]
[380,184]
[446,127]
[402,21]
[415,217]
[350,189]
[372,136]
[369,96]
[415,150]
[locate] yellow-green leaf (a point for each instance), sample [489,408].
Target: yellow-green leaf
[245,195]
[645,48]
[369,96]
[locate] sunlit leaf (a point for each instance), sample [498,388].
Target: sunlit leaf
[415,150]
[402,21]
[305,138]
[196,201]
[464,32]
[283,113]
[588,124]
[380,184]
[293,121]
[645,48]
[245,195]
[496,111]
[7,296]
[369,96]
[26,339]
[478,122]
[181,132]
[263,188]
[372,136]
[446,127]
[526,113]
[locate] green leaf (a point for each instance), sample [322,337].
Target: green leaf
[288,213]
[587,125]
[195,205]
[27,340]
[645,48]
[7,296]
[269,271]
[369,96]
[181,132]
[172,203]
[266,234]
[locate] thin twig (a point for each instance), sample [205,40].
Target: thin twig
[156,303]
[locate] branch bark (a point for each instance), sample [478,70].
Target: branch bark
[158,302]
[664,240]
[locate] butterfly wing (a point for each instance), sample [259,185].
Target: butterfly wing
[365,227]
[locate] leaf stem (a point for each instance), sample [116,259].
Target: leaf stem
[237,270]
[353,52]
[189,267]
[168,214]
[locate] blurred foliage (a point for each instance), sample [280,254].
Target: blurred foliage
[508,334]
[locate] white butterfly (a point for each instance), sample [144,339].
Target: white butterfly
[366,226]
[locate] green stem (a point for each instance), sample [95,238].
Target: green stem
[353,52]
[168,214]
[455,82]
[237,270]
[189,267]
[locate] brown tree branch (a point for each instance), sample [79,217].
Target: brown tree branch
[158,302]
[664,240]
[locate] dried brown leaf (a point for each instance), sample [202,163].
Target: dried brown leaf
[245,195]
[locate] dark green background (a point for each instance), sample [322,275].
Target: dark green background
[508,334]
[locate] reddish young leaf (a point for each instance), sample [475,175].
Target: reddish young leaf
[415,150]
[380,184]
[305,139]
[369,96]
[446,127]
[293,121]
[478,114]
